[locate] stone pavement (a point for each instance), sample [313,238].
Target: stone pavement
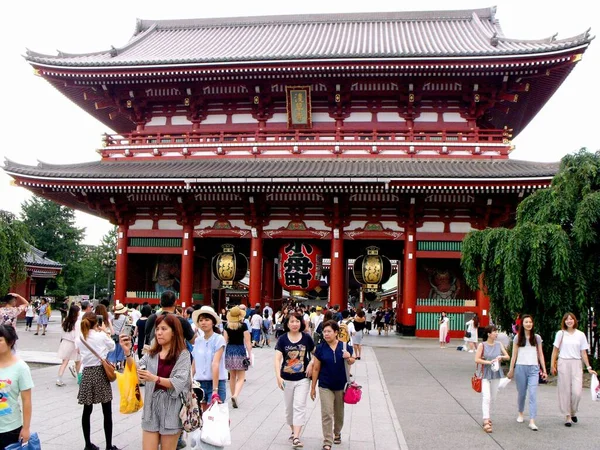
[258,423]
[415,396]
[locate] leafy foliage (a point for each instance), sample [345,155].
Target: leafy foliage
[13,248]
[52,228]
[547,264]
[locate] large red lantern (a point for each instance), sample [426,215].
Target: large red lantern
[229,266]
[300,267]
[372,270]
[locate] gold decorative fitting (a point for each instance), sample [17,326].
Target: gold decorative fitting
[186,101]
[256,99]
[411,98]
[527,86]
[577,57]
[129,104]
[476,98]
[373,250]
[338,98]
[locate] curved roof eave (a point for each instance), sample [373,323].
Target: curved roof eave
[379,59]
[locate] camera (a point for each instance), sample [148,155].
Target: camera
[100,320]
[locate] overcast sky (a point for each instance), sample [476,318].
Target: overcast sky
[41,124]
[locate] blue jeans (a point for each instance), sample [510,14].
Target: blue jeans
[207,387]
[527,378]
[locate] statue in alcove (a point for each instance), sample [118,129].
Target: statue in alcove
[166,274]
[444,283]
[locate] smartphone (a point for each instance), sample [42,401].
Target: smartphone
[127,330]
[100,320]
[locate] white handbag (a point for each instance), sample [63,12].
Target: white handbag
[215,427]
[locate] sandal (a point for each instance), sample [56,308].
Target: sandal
[337,439]
[326,447]
[487,425]
[297,443]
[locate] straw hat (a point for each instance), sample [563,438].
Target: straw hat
[120,309]
[235,314]
[208,311]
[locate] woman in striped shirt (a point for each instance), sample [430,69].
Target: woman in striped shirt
[166,371]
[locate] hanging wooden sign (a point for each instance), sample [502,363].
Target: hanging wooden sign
[298,106]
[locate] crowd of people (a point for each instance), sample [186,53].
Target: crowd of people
[176,349]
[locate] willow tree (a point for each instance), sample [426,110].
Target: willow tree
[547,264]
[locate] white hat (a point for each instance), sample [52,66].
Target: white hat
[120,309]
[208,311]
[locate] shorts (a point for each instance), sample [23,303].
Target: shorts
[255,335]
[10,437]
[207,387]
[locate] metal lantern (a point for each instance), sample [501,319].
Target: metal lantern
[300,267]
[229,266]
[372,270]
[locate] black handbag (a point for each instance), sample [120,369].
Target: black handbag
[467,334]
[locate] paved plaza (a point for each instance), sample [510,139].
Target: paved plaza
[415,396]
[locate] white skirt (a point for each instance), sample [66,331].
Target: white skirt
[67,350]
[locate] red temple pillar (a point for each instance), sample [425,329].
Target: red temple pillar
[121,269]
[337,271]
[255,266]
[268,279]
[206,288]
[409,292]
[187,266]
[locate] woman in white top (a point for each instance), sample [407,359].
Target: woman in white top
[570,347]
[66,349]
[527,358]
[94,387]
[29,315]
[444,323]
[472,328]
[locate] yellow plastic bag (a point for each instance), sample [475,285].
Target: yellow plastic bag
[129,388]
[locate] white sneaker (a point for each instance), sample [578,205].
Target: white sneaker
[60,383]
[520,419]
[72,370]
[470,351]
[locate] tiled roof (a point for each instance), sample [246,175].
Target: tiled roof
[241,170]
[36,257]
[471,33]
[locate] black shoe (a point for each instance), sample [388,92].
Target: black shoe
[113,447]
[568,424]
[574,419]
[91,447]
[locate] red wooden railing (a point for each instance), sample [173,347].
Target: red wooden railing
[410,141]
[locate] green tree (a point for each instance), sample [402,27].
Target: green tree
[53,230]
[13,248]
[547,264]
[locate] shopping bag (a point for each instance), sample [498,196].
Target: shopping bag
[448,338]
[129,388]
[195,443]
[215,428]
[595,389]
[33,444]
